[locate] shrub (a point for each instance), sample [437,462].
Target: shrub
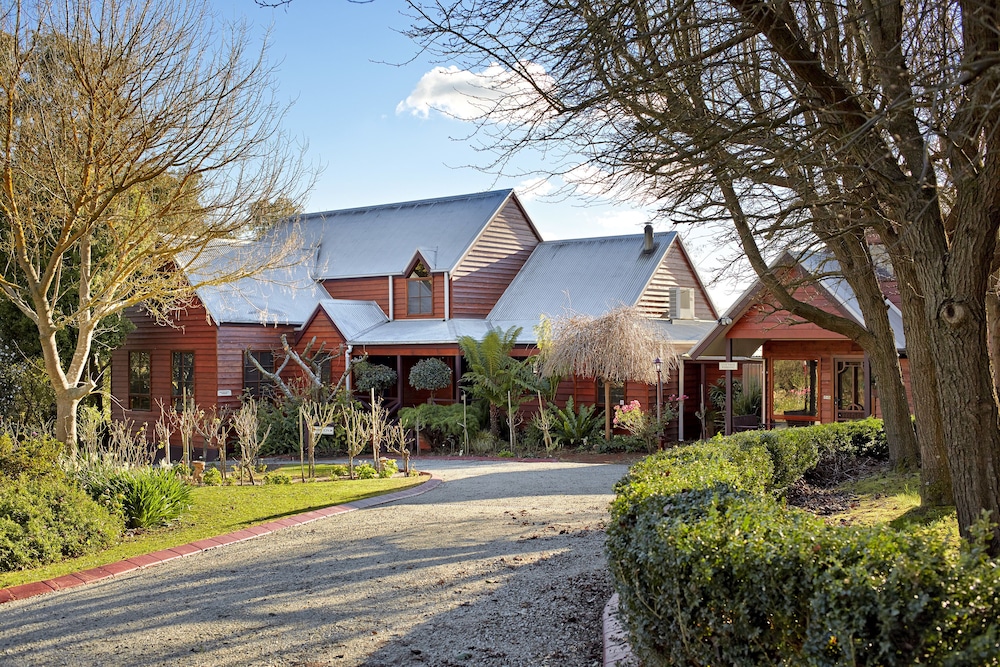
[710,569]
[46,519]
[365,471]
[389,468]
[144,497]
[339,470]
[430,374]
[277,478]
[368,376]
[30,457]
[211,477]
[744,580]
[575,427]
[441,425]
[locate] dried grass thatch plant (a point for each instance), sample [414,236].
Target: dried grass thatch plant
[619,346]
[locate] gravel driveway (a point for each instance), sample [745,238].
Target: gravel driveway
[503,564]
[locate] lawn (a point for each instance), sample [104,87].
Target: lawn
[222,509]
[893,498]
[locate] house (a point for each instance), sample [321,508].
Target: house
[403,282]
[810,375]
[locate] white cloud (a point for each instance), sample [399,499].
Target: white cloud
[533,188]
[494,93]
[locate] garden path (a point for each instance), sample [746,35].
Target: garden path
[503,564]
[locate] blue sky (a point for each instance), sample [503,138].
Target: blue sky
[364,101]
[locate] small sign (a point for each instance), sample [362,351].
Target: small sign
[729,365]
[329,430]
[224,392]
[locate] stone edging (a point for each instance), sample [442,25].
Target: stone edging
[616,647]
[109,570]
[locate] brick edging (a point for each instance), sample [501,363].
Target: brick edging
[616,647]
[142,561]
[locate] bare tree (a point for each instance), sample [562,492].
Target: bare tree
[868,129]
[247,428]
[357,424]
[135,135]
[318,417]
[309,363]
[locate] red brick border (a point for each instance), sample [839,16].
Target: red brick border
[143,561]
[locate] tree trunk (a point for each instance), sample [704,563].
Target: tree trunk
[953,274]
[935,476]
[993,337]
[66,406]
[858,267]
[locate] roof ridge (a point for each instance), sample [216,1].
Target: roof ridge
[403,204]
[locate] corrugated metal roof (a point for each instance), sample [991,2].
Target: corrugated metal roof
[581,276]
[400,332]
[353,317]
[382,240]
[284,293]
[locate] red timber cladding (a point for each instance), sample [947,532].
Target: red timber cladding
[825,352]
[437,298]
[675,270]
[492,262]
[233,339]
[328,336]
[361,289]
[192,333]
[765,319]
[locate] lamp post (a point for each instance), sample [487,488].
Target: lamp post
[465,424]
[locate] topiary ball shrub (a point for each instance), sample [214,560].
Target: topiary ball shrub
[430,375]
[368,376]
[47,519]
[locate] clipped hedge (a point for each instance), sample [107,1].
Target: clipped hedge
[712,569]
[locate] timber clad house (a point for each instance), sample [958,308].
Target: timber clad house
[403,282]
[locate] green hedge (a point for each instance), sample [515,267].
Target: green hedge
[45,519]
[712,569]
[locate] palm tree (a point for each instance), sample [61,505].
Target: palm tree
[493,373]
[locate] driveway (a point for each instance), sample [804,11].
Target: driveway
[503,564]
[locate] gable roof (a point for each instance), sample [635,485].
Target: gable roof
[352,318]
[381,240]
[283,293]
[833,286]
[582,276]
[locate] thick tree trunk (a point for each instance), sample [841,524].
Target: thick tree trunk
[953,274]
[66,406]
[993,334]
[858,268]
[935,475]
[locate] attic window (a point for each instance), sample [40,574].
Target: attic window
[419,291]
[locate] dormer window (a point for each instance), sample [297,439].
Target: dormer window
[419,291]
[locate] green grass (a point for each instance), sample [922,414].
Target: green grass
[322,469]
[893,499]
[217,510]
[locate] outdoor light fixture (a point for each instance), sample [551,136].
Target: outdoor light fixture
[658,364]
[725,321]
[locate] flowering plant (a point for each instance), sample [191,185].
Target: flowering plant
[630,417]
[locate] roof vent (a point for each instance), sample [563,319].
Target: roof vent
[647,241]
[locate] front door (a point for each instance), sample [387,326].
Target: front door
[850,389]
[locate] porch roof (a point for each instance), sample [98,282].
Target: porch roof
[832,285]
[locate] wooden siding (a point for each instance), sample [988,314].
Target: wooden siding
[193,333]
[494,259]
[233,339]
[324,330]
[674,271]
[766,320]
[361,289]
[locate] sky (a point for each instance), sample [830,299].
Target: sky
[367,103]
